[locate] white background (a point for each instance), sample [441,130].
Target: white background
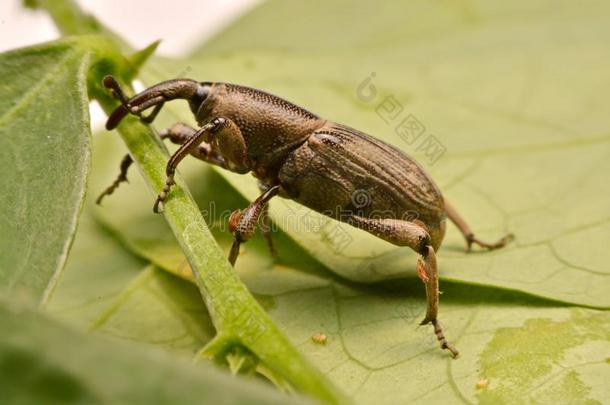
[180,23]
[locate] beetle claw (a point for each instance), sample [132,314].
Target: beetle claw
[471,239]
[156,206]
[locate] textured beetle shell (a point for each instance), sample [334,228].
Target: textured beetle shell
[328,167]
[341,171]
[271,126]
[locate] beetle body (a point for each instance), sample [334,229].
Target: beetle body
[331,168]
[307,156]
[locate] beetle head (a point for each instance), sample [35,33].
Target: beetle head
[194,92]
[202,93]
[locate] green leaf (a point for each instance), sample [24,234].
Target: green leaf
[42,361]
[44,148]
[528,350]
[376,350]
[501,86]
[527,151]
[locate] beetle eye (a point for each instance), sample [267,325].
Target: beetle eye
[199,97]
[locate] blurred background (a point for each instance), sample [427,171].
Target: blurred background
[135,20]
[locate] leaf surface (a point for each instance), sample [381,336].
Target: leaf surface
[43,361]
[45,152]
[504,90]
[375,350]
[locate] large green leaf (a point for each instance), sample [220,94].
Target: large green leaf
[42,361]
[527,151]
[377,352]
[45,152]
[106,289]
[512,91]
[527,350]
[523,347]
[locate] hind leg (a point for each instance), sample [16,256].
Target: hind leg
[415,236]
[469,235]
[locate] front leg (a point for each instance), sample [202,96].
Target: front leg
[179,134]
[415,236]
[224,136]
[242,224]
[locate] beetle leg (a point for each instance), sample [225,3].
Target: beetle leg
[469,235]
[231,145]
[265,228]
[201,135]
[226,148]
[125,163]
[265,224]
[221,134]
[242,224]
[413,235]
[180,133]
[153,114]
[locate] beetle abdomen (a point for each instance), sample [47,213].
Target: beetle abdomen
[340,172]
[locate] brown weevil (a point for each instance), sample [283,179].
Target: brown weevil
[298,155]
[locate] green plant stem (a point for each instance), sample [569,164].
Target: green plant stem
[237,316]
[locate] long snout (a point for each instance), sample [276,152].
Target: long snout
[153,96]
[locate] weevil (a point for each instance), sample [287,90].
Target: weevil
[298,155]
